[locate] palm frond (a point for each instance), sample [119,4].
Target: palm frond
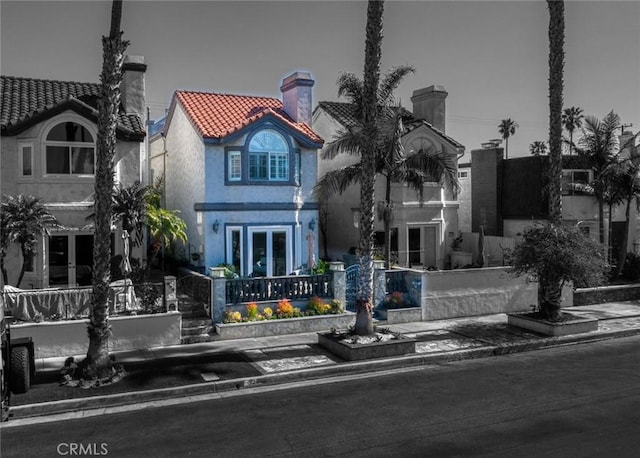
[347,141]
[337,181]
[390,82]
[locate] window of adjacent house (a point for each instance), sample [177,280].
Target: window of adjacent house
[235,166]
[463,174]
[268,157]
[26,160]
[575,182]
[70,150]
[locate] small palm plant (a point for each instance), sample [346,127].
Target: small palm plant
[25,219]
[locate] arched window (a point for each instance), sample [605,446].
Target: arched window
[70,150]
[268,157]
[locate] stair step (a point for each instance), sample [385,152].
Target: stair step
[200,330]
[197,339]
[195,322]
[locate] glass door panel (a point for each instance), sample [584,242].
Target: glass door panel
[58,260]
[83,259]
[414,246]
[279,253]
[259,253]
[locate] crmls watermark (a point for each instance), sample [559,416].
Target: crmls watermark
[77,449]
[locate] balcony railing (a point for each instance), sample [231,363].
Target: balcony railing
[276,288]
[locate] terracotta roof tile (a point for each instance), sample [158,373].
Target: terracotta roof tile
[220,115]
[22,99]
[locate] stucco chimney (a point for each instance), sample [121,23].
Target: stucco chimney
[132,88]
[429,104]
[296,96]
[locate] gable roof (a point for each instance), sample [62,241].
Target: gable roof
[219,116]
[28,101]
[345,114]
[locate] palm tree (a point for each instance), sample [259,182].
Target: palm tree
[556,86]
[414,169]
[538,148]
[25,218]
[571,120]
[507,128]
[371,78]
[165,226]
[97,363]
[128,207]
[599,143]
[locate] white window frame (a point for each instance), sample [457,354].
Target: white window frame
[69,146]
[288,230]
[278,162]
[235,163]
[21,147]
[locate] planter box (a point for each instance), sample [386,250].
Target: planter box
[284,326]
[396,316]
[460,259]
[402,345]
[69,338]
[549,328]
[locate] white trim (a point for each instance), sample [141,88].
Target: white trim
[231,156]
[229,246]
[21,148]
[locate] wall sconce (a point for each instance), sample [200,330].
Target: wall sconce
[312,224]
[216,226]
[356,217]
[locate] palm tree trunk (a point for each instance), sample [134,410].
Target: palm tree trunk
[97,363]
[549,297]
[622,253]
[373,50]
[506,148]
[601,220]
[23,269]
[556,70]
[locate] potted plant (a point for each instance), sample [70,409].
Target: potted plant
[457,242]
[555,255]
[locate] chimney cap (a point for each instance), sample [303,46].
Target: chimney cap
[134,63]
[297,79]
[434,88]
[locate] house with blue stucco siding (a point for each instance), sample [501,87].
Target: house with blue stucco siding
[241,171]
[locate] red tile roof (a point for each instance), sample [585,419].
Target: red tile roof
[220,115]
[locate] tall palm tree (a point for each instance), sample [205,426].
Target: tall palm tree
[538,148]
[26,218]
[507,128]
[371,78]
[97,363]
[556,86]
[599,143]
[549,283]
[571,120]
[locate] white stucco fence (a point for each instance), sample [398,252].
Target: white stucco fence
[69,338]
[473,292]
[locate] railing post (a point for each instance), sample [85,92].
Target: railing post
[218,298]
[339,282]
[170,294]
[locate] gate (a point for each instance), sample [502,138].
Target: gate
[353,274]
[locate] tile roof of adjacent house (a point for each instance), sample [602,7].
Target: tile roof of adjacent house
[217,116]
[28,101]
[344,113]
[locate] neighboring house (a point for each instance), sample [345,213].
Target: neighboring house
[508,195]
[49,131]
[420,232]
[241,170]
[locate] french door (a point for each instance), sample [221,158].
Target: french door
[270,251]
[421,242]
[70,259]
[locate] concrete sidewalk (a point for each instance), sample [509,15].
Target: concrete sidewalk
[290,358]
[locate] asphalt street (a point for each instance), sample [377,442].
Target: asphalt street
[578,400]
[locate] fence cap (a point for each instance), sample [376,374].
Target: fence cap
[336,265]
[216,272]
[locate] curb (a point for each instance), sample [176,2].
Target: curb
[347,368]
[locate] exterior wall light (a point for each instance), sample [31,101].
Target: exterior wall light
[216,226]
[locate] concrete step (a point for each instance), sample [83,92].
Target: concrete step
[195,314]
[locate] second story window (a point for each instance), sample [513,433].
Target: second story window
[69,150]
[268,157]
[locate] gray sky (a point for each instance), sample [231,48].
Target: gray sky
[491,56]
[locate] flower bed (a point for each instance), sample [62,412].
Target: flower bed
[285,319]
[65,338]
[398,307]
